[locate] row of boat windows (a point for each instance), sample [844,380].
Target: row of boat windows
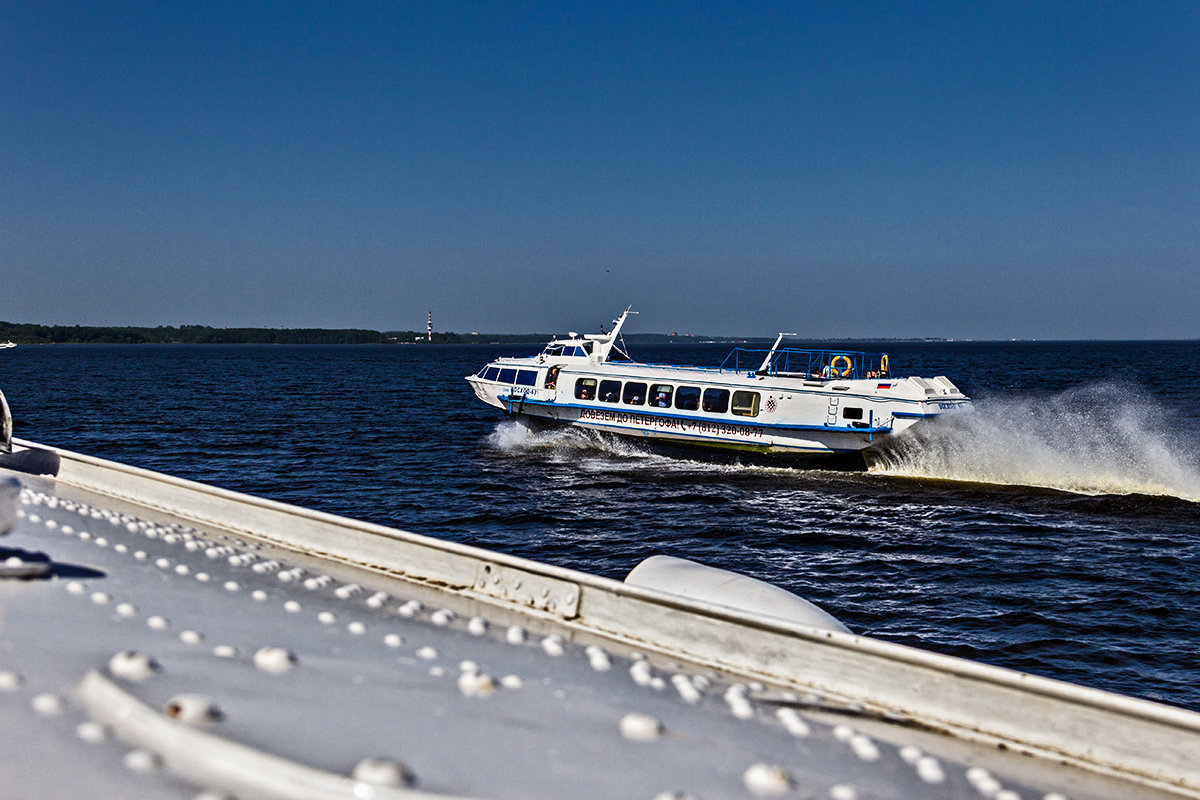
[660,395]
[510,375]
[665,395]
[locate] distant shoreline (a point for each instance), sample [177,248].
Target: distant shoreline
[28,334]
[34,334]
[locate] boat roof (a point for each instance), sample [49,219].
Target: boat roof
[185,630]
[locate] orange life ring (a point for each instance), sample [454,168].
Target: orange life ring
[833,365]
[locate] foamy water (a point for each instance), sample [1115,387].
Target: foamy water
[516,436]
[1097,439]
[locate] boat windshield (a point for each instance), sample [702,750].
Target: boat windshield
[809,364]
[577,349]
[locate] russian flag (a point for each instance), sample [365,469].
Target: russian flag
[883,386]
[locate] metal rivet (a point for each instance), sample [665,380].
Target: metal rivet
[767,780]
[792,722]
[48,705]
[382,772]
[863,747]
[929,770]
[275,659]
[598,658]
[641,672]
[193,709]
[142,761]
[641,727]
[131,665]
[476,684]
[91,731]
[687,690]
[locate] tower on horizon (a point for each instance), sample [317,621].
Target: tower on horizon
[429,329]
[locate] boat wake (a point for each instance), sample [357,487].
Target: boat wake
[1097,439]
[516,436]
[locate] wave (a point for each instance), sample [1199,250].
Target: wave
[517,436]
[1097,439]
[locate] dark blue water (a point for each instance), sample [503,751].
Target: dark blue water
[1057,530]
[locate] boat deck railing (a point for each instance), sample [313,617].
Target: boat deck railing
[817,364]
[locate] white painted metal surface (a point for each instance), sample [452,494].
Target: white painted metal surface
[191,639]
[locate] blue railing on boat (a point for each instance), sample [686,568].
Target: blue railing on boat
[813,364]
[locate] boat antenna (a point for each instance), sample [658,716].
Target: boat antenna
[771,353]
[618,323]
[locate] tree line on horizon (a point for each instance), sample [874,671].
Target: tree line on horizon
[33,333]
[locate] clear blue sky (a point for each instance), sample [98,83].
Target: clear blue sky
[835,169]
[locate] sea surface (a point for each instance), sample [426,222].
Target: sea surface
[1055,531]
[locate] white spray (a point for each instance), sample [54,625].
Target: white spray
[1098,439]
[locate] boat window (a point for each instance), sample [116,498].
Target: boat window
[716,401]
[492,373]
[508,375]
[635,394]
[482,371]
[587,346]
[610,391]
[527,377]
[585,388]
[745,404]
[553,350]
[660,395]
[551,378]
[687,398]
[852,413]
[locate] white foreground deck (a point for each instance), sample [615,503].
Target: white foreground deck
[410,667]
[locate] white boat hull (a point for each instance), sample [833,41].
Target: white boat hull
[800,403]
[804,421]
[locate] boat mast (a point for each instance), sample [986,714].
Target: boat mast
[771,353]
[605,341]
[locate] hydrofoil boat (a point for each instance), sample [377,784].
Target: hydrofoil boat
[795,403]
